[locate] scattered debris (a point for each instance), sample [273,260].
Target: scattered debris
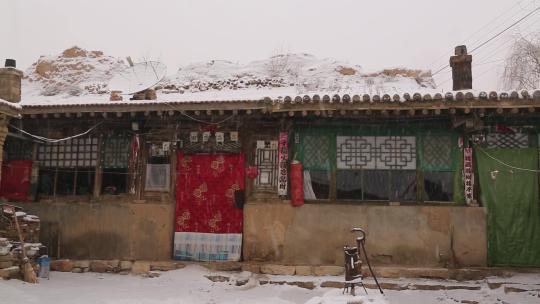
[19,244]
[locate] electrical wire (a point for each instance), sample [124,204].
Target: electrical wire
[505,164]
[485,26]
[493,37]
[51,140]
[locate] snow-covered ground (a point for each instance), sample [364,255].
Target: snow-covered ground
[189,285]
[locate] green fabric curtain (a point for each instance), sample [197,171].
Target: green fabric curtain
[511,198]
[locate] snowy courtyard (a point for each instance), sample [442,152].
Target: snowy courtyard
[195,284]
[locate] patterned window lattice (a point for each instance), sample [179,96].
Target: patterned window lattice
[316,152]
[507,140]
[437,152]
[266,159]
[17,149]
[376,152]
[78,152]
[115,152]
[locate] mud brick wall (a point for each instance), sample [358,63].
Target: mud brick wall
[314,234]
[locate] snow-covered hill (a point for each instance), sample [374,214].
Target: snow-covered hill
[77,72]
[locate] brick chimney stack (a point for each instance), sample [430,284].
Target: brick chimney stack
[461,69]
[10,82]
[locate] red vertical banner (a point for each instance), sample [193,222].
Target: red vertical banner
[297,184]
[283,157]
[468,175]
[208,223]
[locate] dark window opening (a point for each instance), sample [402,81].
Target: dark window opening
[438,186]
[114,181]
[349,184]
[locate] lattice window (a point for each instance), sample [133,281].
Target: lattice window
[17,149]
[376,152]
[316,152]
[266,159]
[507,140]
[78,152]
[437,152]
[115,152]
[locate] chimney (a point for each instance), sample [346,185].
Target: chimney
[10,82]
[461,69]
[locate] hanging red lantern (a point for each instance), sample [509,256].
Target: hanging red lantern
[297,184]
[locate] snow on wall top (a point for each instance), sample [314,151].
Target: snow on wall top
[80,76]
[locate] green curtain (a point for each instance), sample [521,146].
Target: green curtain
[511,198]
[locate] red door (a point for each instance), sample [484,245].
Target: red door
[208,221]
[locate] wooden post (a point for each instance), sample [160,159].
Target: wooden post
[98,178]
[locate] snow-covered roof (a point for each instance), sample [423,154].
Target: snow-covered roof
[274,101]
[77,81]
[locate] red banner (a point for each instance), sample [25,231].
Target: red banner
[15,183]
[205,193]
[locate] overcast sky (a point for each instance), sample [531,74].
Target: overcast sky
[375,34]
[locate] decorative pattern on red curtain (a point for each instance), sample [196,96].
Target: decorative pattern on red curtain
[208,226]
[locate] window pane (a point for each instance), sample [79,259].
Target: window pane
[64,183]
[46,182]
[85,181]
[439,186]
[376,185]
[349,184]
[403,185]
[316,184]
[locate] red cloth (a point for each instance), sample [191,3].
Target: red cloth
[205,187]
[297,184]
[15,183]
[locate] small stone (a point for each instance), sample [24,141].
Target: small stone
[241,282]
[332,284]
[426,287]
[328,270]
[6,264]
[277,269]
[125,265]
[113,263]
[179,265]
[508,289]
[151,274]
[10,272]
[100,267]
[303,270]
[140,267]
[223,266]
[77,270]
[217,278]
[494,285]
[306,285]
[61,265]
[81,264]
[163,265]
[253,268]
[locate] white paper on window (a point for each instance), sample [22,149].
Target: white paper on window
[157,177]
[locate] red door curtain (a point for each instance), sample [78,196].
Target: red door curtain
[208,223]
